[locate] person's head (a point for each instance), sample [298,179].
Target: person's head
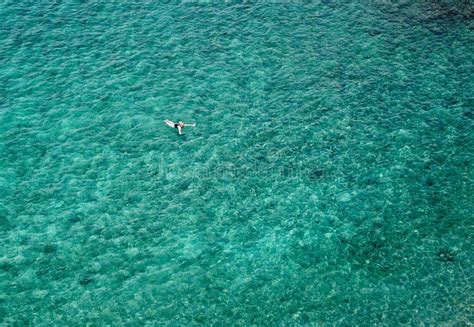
[181,124]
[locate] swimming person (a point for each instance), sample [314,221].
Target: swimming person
[179,125]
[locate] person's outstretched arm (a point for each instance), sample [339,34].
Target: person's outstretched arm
[179,129]
[192,125]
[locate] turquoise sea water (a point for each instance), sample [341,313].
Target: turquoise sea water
[328,181]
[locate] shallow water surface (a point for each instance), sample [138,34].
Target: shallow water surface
[328,180]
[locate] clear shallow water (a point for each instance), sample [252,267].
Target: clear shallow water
[328,180]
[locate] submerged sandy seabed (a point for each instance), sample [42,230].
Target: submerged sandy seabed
[328,180]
